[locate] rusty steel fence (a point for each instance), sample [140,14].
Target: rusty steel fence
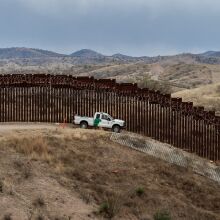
[56,98]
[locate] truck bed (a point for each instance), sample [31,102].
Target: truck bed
[78,119]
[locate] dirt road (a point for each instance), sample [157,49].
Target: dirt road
[6,127]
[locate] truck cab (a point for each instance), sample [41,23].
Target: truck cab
[100,119]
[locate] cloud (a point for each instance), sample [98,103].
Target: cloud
[136,27]
[86,5]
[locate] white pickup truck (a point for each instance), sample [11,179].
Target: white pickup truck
[100,119]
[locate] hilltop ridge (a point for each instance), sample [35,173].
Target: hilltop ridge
[209,57]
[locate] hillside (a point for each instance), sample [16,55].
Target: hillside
[166,73]
[209,57]
[207,96]
[85,53]
[172,76]
[15,53]
[211,54]
[55,173]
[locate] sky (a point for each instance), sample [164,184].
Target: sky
[132,27]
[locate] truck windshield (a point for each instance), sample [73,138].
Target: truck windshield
[105,117]
[110,117]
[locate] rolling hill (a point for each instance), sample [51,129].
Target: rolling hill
[15,53]
[86,53]
[165,73]
[211,54]
[207,96]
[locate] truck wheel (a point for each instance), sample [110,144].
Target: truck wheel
[116,129]
[84,125]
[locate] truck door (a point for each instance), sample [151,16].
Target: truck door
[105,123]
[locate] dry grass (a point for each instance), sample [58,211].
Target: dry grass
[190,75]
[207,96]
[125,184]
[30,145]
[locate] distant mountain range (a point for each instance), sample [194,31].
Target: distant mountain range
[21,52]
[211,54]
[86,53]
[82,56]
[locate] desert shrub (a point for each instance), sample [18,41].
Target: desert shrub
[29,145]
[111,206]
[25,168]
[35,147]
[39,202]
[139,191]
[1,186]
[155,85]
[86,197]
[7,217]
[104,207]
[218,89]
[27,172]
[162,215]
[40,217]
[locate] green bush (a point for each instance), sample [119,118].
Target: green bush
[162,215]
[104,208]
[139,191]
[111,206]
